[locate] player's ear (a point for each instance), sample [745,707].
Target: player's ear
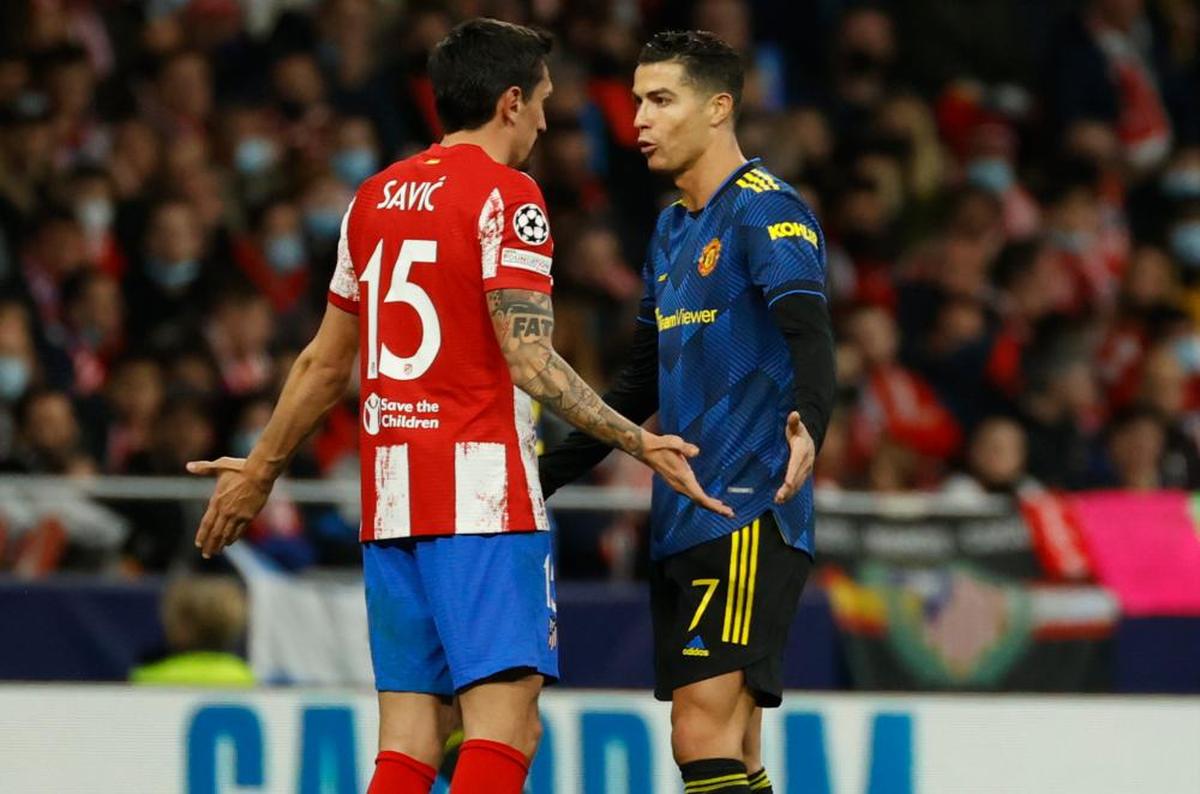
[720,109]
[509,104]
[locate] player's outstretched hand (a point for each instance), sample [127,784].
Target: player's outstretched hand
[235,502]
[800,459]
[668,456]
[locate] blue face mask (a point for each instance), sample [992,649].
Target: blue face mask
[285,253]
[1074,242]
[243,442]
[1185,243]
[991,173]
[354,165]
[91,336]
[1187,353]
[173,276]
[253,156]
[1183,183]
[156,9]
[14,377]
[323,224]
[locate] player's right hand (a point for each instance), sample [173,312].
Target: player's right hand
[234,503]
[668,455]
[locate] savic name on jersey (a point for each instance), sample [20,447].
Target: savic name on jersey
[447,443]
[409,195]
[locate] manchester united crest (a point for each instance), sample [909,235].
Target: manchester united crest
[709,256]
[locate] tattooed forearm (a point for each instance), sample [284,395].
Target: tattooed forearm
[558,387]
[524,324]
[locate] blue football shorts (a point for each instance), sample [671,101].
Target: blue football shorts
[446,612]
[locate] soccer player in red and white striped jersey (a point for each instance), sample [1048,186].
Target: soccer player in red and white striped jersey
[442,289]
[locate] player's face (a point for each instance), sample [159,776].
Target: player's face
[531,119]
[673,119]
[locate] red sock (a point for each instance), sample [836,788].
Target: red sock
[397,773]
[487,767]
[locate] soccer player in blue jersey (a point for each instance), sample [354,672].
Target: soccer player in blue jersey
[733,349]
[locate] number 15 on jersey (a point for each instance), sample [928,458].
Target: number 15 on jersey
[381,360]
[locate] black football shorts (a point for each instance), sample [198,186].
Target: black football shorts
[727,605]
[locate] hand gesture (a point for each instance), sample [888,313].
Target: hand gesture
[800,460]
[668,456]
[234,503]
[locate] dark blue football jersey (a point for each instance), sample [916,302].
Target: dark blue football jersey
[725,372]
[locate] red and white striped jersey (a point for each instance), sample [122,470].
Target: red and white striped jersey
[447,442]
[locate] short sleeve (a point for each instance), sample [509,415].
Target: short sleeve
[343,287]
[784,245]
[516,249]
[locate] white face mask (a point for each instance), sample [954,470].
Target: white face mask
[95,214]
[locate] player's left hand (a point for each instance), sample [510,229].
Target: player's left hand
[234,503]
[800,460]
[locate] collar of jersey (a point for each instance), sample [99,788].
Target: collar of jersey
[461,147]
[737,172]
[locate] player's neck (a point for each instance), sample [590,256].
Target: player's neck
[710,170]
[485,138]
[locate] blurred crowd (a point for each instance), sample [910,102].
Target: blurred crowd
[1010,190]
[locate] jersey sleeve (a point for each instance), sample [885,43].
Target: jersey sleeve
[646,309]
[785,246]
[343,287]
[515,245]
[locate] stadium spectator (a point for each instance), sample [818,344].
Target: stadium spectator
[204,621]
[356,152]
[995,461]
[134,396]
[182,99]
[238,334]
[135,158]
[896,408]
[275,259]
[254,152]
[54,251]
[18,367]
[993,180]
[48,436]
[94,328]
[1103,68]
[54,528]
[1134,453]
[27,156]
[1165,389]
[184,428]
[173,282]
[1062,413]
[91,194]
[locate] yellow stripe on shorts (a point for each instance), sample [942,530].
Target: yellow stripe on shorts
[733,556]
[753,577]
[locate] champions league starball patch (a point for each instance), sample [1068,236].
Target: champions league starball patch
[530,224]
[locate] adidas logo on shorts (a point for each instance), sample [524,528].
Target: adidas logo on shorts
[695,647]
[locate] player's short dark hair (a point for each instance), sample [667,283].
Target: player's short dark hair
[477,62]
[707,61]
